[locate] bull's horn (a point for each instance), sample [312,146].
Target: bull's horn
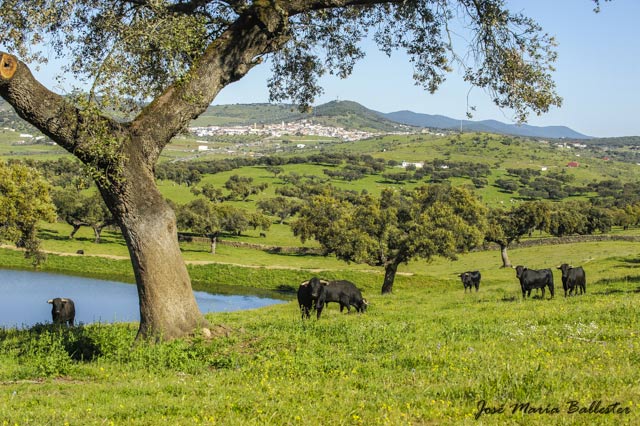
[459,275]
[570,266]
[50,301]
[305,282]
[365,302]
[324,282]
[559,266]
[64,300]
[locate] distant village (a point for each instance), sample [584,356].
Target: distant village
[294,128]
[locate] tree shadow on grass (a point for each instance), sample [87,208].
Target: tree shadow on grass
[618,285]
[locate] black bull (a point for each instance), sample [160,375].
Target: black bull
[470,279]
[534,278]
[573,279]
[63,310]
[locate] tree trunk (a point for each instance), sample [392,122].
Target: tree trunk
[97,232]
[75,230]
[214,242]
[505,257]
[168,308]
[389,277]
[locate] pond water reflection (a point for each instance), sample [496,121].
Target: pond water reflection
[25,295]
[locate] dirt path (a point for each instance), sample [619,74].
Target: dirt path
[188,262]
[201,262]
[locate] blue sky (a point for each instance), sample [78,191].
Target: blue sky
[597,74]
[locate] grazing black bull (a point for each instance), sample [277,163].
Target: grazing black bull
[573,279]
[470,279]
[63,311]
[534,278]
[343,292]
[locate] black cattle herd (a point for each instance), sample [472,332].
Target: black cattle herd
[574,280]
[316,293]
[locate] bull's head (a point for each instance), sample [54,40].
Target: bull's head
[519,270]
[316,285]
[58,303]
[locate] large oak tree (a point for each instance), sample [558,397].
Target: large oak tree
[395,228]
[166,60]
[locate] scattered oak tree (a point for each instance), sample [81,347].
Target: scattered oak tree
[163,62]
[210,219]
[398,226]
[506,226]
[282,207]
[79,209]
[24,201]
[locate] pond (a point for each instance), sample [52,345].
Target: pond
[25,295]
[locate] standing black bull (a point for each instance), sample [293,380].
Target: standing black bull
[534,278]
[63,310]
[343,292]
[308,293]
[573,279]
[470,279]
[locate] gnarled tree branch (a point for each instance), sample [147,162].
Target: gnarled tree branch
[51,113]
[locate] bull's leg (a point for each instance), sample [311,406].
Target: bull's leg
[319,307]
[543,292]
[344,303]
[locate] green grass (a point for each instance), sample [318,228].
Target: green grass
[427,354]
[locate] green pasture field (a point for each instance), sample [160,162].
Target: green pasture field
[427,354]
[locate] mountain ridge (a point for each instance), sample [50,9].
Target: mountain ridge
[491,126]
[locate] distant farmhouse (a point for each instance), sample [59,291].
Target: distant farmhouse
[406,164]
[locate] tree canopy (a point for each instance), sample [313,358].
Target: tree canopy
[134,50]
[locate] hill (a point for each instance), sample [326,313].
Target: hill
[488,126]
[345,114]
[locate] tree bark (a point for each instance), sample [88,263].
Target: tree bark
[168,308]
[506,263]
[214,243]
[389,277]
